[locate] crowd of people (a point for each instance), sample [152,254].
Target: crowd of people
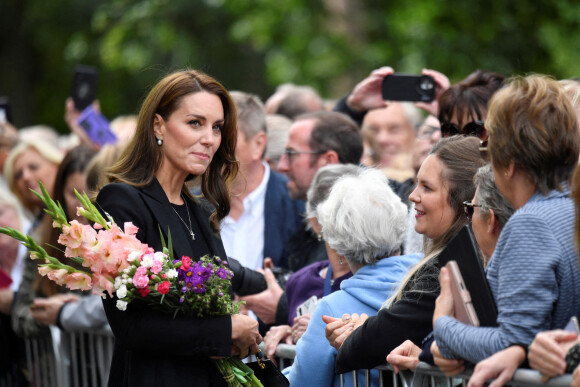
[333,217]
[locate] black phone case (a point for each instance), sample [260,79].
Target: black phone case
[84,86]
[462,249]
[404,87]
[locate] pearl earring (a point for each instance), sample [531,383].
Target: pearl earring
[159,141]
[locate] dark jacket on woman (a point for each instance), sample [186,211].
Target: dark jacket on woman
[154,348]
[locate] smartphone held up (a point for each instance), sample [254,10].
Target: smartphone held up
[409,88]
[84,93]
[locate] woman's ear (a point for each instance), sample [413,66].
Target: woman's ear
[492,225]
[158,126]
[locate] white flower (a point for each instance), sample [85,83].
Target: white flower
[121,305]
[124,281]
[122,291]
[171,274]
[117,282]
[126,271]
[133,255]
[129,280]
[147,260]
[124,276]
[159,256]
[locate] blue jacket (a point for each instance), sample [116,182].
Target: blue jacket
[534,277]
[282,217]
[365,292]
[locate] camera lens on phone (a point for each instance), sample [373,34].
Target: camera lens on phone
[426,84]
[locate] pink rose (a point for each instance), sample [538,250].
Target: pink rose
[140,279]
[185,263]
[157,266]
[163,288]
[144,292]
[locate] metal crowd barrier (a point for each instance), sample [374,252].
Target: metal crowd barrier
[70,359]
[427,375]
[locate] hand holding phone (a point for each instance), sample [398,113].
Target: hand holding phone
[96,126]
[464,310]
[406,87]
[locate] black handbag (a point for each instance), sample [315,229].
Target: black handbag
[267,372]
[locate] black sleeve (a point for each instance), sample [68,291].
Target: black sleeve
[282,311]
[342,107]
[425,356]
[408,319]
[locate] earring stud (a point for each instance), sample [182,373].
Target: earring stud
[159,141]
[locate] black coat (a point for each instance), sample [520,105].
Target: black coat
[408,319]
[153,348]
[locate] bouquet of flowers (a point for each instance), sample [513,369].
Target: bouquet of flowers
[113,260]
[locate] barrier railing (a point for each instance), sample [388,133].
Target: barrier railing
[83,359]
[70,359]
[427,375]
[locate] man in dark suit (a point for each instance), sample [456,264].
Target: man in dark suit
[262,216]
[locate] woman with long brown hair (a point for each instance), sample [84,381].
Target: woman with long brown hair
[186,128]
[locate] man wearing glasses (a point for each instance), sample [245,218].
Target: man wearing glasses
[315,140]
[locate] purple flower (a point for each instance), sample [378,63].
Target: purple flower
[181,299]
[221,294]
[203,272]
[222,273]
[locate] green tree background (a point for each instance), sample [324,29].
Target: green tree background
[255,45]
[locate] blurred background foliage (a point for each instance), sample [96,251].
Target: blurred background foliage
[255,45]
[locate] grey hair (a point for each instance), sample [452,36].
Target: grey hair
[490,198]
[363,220]
[322,182]
[278,130]
[413,115]
[251,113]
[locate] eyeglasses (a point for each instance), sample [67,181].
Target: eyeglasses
[468,208]
[291,152]
[471,128]
[483,150]
[426,131]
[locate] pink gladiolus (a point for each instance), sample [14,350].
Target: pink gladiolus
[44,270]
[130,229]
[78,281]
[102,283]
[77,238]
[57,276]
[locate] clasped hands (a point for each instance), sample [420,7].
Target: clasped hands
[338,329]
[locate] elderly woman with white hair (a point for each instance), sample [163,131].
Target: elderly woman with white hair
[363,222]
